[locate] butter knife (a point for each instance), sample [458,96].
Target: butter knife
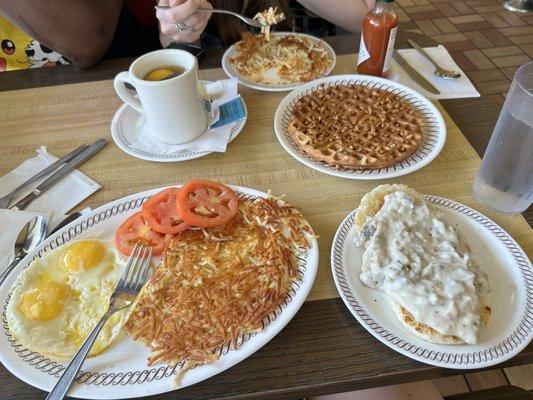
[60,174]
[8,198]
[414,74]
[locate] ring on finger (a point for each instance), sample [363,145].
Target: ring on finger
[183,27]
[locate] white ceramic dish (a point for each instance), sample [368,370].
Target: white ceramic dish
[228,69]
[511,298]
[121,371]
[128,125]
[429,149]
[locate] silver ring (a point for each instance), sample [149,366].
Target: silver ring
[183,27]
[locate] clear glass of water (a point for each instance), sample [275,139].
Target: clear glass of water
[504,181]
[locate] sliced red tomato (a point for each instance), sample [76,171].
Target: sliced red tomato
[161,214]
[206,204]
[136,230]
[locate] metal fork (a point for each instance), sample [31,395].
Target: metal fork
[133,278]
[249,21]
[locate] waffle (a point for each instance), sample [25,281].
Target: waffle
[355,127]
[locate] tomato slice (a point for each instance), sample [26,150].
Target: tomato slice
[161,214]
[136,230]
[205,204]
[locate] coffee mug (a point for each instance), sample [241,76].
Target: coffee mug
[173,108]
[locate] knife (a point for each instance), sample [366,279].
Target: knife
[7,199]
[67,220]
[414,74]
[60,174]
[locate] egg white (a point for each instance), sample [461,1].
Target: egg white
[87,301]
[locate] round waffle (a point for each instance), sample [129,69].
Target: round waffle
[352,126]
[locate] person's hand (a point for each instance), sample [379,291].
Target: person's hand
[181,23]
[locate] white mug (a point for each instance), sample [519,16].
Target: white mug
[173,108]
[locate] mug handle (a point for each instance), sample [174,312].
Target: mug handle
[124,93]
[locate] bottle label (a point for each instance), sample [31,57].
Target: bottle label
[363,52]
[390,48]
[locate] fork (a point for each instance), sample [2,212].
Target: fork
[132,280]
[249,21]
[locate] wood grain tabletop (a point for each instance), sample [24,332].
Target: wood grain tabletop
[323,349]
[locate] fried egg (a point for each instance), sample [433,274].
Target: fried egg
[58,299]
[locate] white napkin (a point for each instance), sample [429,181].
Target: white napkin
[449,88]
[218,92]
[52,204]
[61,197]
[12,222]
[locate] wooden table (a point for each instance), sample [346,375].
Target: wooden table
[323,349]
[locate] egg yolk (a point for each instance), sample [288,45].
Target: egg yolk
[84,255]
[45,302]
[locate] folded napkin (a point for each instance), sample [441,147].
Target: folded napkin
[52,204]
[221,97]
[12,222]
[449,88]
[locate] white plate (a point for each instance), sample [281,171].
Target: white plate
[429,149]
[228,69]
[128,124]
[511,297]
[121,371]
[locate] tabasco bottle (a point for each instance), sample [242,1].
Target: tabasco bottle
[377,40]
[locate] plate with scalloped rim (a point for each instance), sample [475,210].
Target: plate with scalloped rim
[230,71]
[128,125]
[428,150]
[121,371]
[509,329]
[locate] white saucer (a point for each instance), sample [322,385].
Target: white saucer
[128,125]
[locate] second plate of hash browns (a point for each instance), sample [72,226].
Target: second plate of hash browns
[284,62]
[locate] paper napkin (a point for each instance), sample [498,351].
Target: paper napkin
[449,88]
[52,204]
[222,98]
[61,197]
[12,222]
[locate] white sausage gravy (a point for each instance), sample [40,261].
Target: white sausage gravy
[416,258]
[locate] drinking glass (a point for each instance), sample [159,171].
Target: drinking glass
[504,181]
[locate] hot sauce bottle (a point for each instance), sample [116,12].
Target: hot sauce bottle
[377,40]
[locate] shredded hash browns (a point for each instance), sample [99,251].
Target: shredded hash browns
[215,284]
[268,18]
[282,59]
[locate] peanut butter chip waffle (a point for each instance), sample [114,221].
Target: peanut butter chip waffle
[353,126]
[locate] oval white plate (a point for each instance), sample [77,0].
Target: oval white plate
[511,297]
[228,69]
[429,149]
[121,371]
[127,125]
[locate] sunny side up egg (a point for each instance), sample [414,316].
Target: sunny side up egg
[58,299]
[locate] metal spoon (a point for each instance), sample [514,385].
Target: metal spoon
[28,239]
[249,21]
[444,73]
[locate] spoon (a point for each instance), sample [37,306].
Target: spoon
[31,235]
[439,71]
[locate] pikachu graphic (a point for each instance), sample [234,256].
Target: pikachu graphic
[13,42]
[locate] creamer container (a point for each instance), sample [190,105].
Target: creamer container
[377,40]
